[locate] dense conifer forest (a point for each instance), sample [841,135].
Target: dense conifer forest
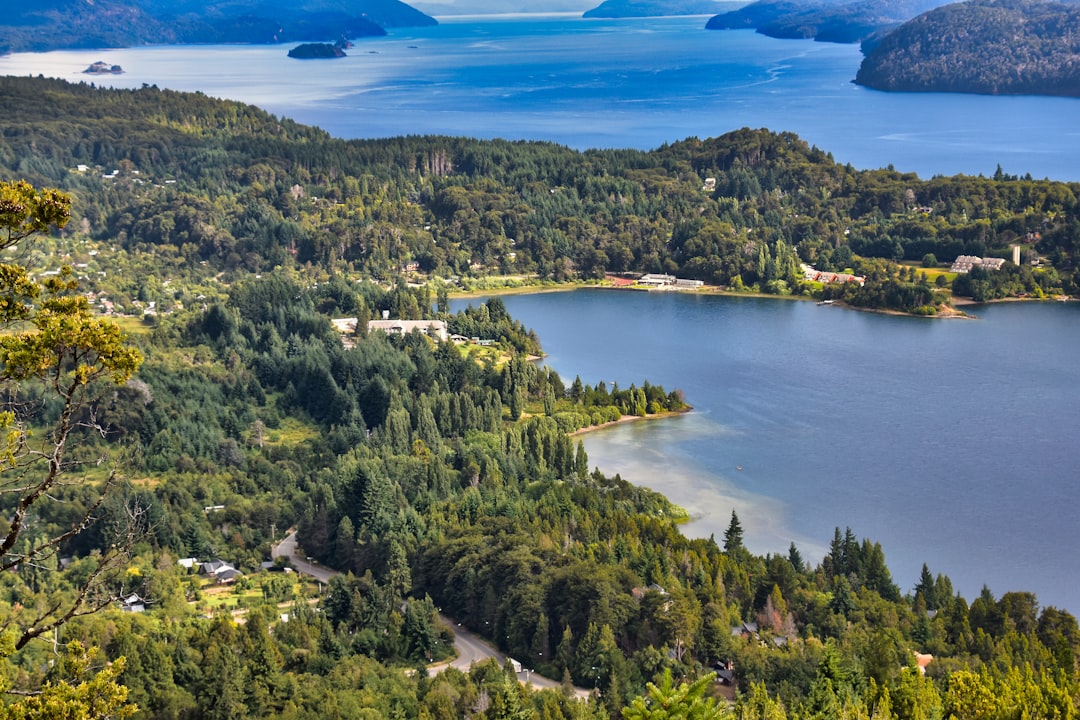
[996,47]
[440,479]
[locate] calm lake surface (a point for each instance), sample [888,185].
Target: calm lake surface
[951,442]
[607,83]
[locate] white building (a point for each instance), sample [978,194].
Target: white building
[434,328]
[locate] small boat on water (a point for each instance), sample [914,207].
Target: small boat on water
[826,302]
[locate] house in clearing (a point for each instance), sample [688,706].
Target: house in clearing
[434,328]
[965,263]
[657,279]
[221,571]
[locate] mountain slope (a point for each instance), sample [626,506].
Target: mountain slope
[843,22]
[60,24]
[987,47]
[653,8]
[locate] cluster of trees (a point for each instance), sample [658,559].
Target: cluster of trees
[207,190]
[991,47]
[1011,281]
[491,321]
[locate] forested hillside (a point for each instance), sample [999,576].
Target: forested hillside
[58,24]
[996,47]
[205,187]
[651,8]
[438,476]
[836,21]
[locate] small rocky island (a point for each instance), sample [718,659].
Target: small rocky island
[103,68]
[309,51]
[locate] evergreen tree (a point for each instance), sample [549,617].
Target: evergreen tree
[796,559]
[927,588]
[668,702]
[733,536]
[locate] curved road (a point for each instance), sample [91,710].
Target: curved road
[471,647]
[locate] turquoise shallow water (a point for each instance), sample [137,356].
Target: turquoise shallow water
[950,442]
[608,83]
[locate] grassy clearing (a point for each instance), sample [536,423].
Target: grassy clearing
[933,273]
[246,593]
[291,432]
[131,325]
[482,355]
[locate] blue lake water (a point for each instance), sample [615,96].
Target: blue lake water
[951,442]
[608,83]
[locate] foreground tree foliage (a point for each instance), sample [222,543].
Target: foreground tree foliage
[440,480]
[52,354]
[667,702]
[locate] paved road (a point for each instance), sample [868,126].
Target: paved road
[471,647]
[288,548]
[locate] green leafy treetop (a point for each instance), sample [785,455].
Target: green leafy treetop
[77,692]
[685,702]
[52,351]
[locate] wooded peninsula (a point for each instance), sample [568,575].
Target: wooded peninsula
[992,47]
[177,398]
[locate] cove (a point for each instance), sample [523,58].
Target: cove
[951,442]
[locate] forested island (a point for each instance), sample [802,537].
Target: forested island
[308,51]
[71,24]
[169,338]
[992,47]
[103,68]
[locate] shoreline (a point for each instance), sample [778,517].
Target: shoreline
[951,314]
[1057,298]
[628,419]
[952,311]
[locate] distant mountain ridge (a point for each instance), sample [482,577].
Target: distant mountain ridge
[500,7]
[71,24]
[992,47]
[840,21]
[654,8]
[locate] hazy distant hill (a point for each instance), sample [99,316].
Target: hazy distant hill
[55,24]
[654,8]
[494,7]
[1011,47]
[840,21]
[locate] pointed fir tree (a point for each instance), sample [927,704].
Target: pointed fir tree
[733,536]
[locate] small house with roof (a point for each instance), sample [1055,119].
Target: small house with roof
[220,571]
[133,604]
